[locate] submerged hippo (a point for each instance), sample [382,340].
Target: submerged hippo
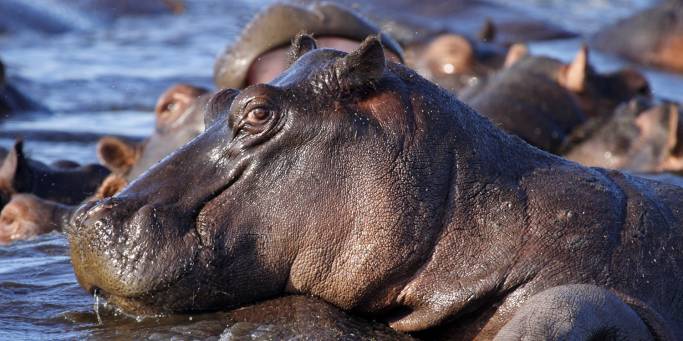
[409,20]
[639,136]
[454,61]
[12,100]
[26,216]
[260,52]
[542,100]
[179,118]
[355,180]
[67,185]
[653,36]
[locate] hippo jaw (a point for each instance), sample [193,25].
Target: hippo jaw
[136,252]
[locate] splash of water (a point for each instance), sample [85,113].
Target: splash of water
[97,307]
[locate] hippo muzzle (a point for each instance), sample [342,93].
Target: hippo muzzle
[145,239]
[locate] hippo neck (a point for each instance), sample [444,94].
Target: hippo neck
[477,246]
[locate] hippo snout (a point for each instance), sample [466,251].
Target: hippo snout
[92,214]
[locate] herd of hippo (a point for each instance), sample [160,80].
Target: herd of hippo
[448,184]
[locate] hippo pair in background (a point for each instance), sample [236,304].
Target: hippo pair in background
[543,100]
[387,197]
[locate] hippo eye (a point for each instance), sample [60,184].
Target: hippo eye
[256,119]
[170,106]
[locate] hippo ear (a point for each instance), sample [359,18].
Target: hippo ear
[487,33]
[219,106]
[362,66]
[516,52]
[113,184]
[117,155]
[301,44]
[573,76]
[13,164]
[674,161]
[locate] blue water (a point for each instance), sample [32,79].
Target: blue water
[106,80]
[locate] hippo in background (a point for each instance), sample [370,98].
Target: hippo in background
[179,118]
[26,215]
[651,37]
[65,183]
[542,100]
[353,179]
[454,61]
[409,21]
[12,101]
[640,136]
[260,52]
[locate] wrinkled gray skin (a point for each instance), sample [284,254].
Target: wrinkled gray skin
[653,36]
[357,181]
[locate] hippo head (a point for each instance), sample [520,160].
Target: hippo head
[27,216]
[454,61]
[296,186]
[179,118]
[639,136]
[596,93]
[66,182]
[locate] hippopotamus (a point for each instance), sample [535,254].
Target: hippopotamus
[454,61]
[179,118]
[653,36]
[26,215]
[640,136]
[260,52]
[12,100]
[353,179]
[64,182]
[408,21]
[542,100]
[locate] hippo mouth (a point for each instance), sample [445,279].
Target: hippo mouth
[97,253]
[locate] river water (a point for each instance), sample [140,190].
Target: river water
[106,80]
